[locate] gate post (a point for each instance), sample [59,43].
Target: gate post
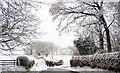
[14,62]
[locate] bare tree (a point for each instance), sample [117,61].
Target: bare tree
[118,16]
[115,29]
[43,48]
[28,50]
[74,50]
[18,23]
[83,14]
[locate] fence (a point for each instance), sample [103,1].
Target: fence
[8,62]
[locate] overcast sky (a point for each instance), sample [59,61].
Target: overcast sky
[49,27]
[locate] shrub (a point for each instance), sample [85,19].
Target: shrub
[24,61]
[31,63]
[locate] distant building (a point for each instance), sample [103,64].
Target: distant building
[65,51]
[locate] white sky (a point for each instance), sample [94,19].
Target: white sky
[49,27]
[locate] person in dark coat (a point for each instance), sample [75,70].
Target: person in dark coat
[50,63]
[47,62]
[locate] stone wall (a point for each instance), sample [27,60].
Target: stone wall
[110,61]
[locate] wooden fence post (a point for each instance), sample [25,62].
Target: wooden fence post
[14,62]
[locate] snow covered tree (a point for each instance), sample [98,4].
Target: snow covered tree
[18,23]
[85,46]
[42,48]
[28,50]
[73,50]
[118,9]
[115,29]
[91,13]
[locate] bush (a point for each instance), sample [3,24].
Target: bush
[24,61]
[85,46]
[31,63]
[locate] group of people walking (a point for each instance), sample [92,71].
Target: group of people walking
[49,63]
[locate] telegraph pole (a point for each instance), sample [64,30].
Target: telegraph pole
[52,53]
[52,50]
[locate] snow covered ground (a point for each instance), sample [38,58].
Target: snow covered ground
[66,64]
[81,68]
[12,68]
[66,67]
[39,64]
[64,58]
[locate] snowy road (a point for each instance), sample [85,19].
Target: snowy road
[68,69]
[58,70]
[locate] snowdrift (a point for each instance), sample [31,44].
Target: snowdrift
[39,65]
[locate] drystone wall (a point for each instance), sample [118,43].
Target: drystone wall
[110,61]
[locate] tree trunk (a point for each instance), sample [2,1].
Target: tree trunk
[101,40]
[108,40]
[107,33]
